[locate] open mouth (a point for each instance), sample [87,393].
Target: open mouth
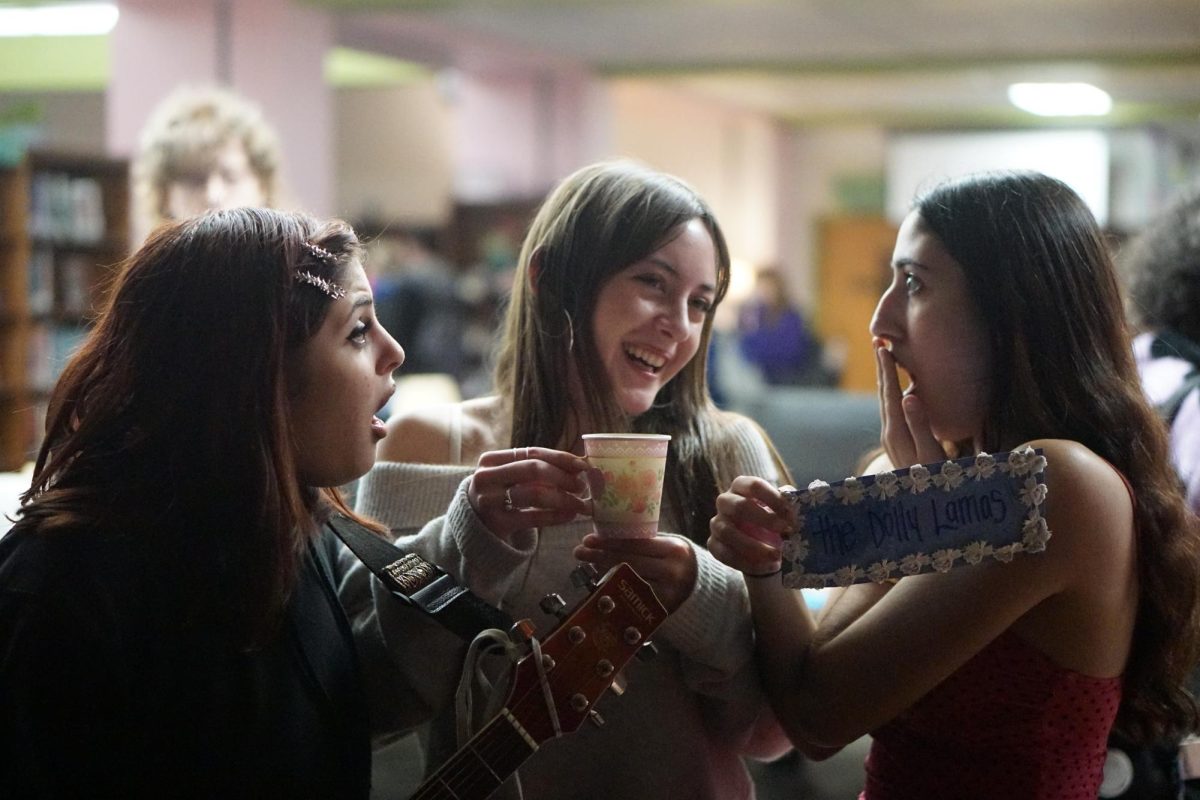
[645,358]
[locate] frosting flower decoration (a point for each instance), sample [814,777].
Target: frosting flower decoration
[912,563]
[880,571]
[950,477]
[844,576]
[1035,533]
[943,560]
[795,548]
[886,485]
[803,580]
[1005,554]
[917,480]
[1033,493]
[850,491]
[976,552]
[1024,462]
[816,494]
[983,468]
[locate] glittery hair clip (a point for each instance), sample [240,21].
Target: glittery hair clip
[326,257]
[328,287]
[320,253]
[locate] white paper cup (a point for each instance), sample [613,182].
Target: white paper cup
[627,482]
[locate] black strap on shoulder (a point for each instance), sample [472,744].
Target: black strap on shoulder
[1168,344]
[420,583]
[1169,408]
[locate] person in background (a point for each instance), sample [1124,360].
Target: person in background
[1162,266]
[203,148]
[168,618]
[773,336]
[998,680]
[607,328]
[416,298]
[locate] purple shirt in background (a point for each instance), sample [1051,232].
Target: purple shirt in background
[1160,378]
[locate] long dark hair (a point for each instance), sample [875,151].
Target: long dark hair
[171,423]
[596,223]
[1042,280]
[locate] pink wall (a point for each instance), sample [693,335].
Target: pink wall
[276,56]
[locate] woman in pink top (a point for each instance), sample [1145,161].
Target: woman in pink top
[996,680]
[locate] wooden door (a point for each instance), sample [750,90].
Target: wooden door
[855,254]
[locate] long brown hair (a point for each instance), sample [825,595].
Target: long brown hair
[597,222]
[171,423]
[1043,282]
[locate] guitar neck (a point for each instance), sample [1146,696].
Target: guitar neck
[485,762]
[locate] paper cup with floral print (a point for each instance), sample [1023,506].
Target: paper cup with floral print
[627,482]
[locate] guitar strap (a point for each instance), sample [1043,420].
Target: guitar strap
[419,583]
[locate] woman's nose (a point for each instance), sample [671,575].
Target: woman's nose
[884,321]
[674,320]
[393,354]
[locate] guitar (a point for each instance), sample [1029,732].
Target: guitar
[581,658]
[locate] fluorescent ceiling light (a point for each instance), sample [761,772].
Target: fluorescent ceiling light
[1060,99]
[66,19]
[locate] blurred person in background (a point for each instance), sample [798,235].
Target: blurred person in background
[773,335]
[203,148]
[1162,266]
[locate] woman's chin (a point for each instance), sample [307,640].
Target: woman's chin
[635,404]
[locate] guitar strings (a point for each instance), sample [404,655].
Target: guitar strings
[488,748]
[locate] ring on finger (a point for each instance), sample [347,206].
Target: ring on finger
[508,501]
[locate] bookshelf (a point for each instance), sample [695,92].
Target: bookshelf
[64,223]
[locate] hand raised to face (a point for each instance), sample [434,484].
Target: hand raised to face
[906,434]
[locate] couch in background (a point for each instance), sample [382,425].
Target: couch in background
[820,432]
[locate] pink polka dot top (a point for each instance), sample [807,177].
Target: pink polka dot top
[1010,723]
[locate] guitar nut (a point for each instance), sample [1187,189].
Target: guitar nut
[604,668]
[606,604]
[632,635]
[576,634]
[578,702]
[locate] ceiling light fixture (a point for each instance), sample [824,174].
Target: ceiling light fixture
[1060,99]
[65,19]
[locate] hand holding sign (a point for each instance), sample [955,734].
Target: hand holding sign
[926,517]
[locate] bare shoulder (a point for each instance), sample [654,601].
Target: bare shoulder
[1086,497]
[418,436]
[424,435]
[485,427]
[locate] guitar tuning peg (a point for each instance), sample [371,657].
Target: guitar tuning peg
[647,652]
[553,604]
[595,718]
[584,575]
[521,631]
[618,684]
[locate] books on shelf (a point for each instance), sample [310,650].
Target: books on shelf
[50,347]
[66,208]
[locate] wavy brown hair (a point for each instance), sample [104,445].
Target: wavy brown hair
[171,423]
[596,223]
[1042,280]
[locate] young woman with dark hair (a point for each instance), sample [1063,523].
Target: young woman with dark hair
[998,680]
[168,617]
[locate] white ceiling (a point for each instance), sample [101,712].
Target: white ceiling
[909,63]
